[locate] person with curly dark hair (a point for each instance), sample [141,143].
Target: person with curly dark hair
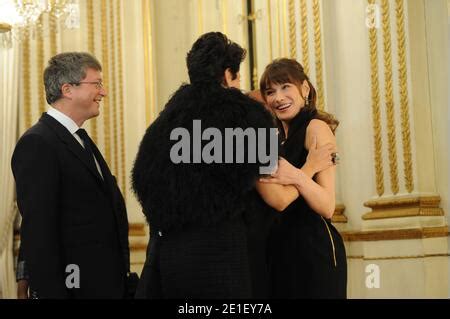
[198,246]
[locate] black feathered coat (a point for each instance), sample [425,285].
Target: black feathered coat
[197,208]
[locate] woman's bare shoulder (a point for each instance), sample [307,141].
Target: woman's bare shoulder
[321,130]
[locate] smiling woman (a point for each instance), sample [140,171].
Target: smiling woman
[307,253]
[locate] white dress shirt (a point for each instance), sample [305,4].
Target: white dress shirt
[72,127]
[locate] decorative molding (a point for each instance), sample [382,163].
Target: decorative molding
[26,80]
[40,65]
[138,246]
[292,30]
[409,206]
[318,54]
[278,30]
[90,25]
[224,6]
[395,234]
[106,79]
[285,30]
[200,17]
[304,31]
[136,229]
[121,105]
[269,15]
[91,49]
[403,83]
[398,257]
[148,62]
[138,239]
[113,95]
[338,216]
[53,41]
[255,76]
[5,27]
[376,117]
[387,55]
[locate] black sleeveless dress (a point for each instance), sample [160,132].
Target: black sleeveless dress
[307,254]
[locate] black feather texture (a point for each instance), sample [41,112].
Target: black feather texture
[187,194]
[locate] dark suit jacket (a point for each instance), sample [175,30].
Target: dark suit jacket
[70,215]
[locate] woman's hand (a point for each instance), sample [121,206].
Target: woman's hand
[286,174]
[319,158]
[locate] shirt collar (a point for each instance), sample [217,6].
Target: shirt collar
[62,118]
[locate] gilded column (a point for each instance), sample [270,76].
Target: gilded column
[304,31]
[105,60]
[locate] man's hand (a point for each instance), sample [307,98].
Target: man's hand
[22,289]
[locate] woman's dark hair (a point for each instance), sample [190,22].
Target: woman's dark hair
[210,56]
[290,71]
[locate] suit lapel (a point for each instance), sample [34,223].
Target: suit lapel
[107,176]
[72,144]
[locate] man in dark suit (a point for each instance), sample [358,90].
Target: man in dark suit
[74,232]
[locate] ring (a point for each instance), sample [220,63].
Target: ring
[335,158]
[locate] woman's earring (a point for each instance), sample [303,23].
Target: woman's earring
[306,101]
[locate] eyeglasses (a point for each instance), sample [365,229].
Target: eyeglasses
[98,85]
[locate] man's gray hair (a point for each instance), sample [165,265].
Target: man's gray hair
[69,67]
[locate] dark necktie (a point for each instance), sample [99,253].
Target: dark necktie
[88,147]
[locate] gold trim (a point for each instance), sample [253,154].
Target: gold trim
[269,14]
[91,49]
[148,62]
[138,246]
[200,16]
[40,64]
[354,257]
[255,54]
[285,31]
[26,80]
[396,234]
[376,116]
[403,83]
[305,41]
[255,77]
[387,54]
[53,41]
[90,21]
[423,201]
[278,21]
[399,257]
[292,30]
[225,16]
[245,19]
[403,207]
[136,229]
[338,216]
[114,107]
[106,79]
[318,54]
[121,105]
[5,27]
